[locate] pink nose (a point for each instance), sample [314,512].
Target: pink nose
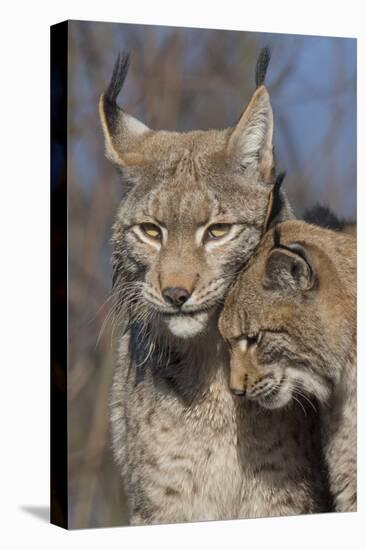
[176,296]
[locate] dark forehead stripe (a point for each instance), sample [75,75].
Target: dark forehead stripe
[187,165]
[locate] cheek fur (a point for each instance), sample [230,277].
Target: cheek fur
[310,383]
[281,399]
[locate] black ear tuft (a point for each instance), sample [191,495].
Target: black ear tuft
[118,77]
[279,180]
[324,217]
[262,66]
[277,200]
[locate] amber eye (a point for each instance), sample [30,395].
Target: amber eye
[218,230]
[151,230]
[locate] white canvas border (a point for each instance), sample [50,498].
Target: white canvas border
[25,268]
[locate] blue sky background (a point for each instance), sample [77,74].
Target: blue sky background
[314,102]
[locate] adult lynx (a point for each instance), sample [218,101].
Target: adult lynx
[196,207]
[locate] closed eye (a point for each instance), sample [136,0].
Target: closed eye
[255,338]
[247,340]
[217,231]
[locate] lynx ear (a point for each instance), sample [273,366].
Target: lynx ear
[289,269]
[122,132]
[252,139]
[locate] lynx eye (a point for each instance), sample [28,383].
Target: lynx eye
[218,230]
[151,230]
[255,338]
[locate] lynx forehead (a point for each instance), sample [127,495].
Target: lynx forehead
[196,206]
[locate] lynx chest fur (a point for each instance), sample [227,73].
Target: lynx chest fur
[185,452]
[211,457]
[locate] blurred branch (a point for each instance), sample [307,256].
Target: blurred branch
[97,433]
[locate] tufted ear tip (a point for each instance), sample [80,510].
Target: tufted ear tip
[262,93]
[110,150]
[121,131]
[118,77]
[262,66]
[251,141]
